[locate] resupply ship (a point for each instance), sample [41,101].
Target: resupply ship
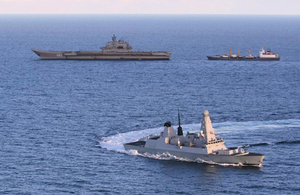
[263,56]
[202,146]
[114,50]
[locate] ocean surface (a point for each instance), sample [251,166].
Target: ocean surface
[63,123]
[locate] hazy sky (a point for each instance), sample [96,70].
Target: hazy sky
[273,7]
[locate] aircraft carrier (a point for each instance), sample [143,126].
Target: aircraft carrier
[114,50]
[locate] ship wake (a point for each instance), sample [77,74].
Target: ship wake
[286,142]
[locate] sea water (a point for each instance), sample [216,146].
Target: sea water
[63,123]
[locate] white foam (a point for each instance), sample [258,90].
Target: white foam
[224,164]
[163,156]
[116,142]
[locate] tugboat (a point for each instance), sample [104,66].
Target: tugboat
[204,146]
[114,50]
[263,56]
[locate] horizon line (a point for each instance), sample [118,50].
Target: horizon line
[147,14]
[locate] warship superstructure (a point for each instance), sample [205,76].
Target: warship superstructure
[263,56]
[114,50]
[204,145]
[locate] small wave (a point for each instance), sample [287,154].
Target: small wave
[266,144]
[289,142]
[258,144]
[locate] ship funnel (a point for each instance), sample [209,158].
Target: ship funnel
[179,132]
[249,52]
[239,53]
[229,55]
[114,38]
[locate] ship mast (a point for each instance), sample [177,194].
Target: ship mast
[179,132]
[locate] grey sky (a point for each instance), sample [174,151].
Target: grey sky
[270,7]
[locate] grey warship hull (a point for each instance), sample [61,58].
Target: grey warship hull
[202,146]
[243,58]
[100,55]
[249,158]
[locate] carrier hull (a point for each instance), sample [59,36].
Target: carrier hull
[100,55]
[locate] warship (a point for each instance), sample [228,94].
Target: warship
[204,146]
[263,56]
[114,50]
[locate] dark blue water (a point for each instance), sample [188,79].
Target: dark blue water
[62,123]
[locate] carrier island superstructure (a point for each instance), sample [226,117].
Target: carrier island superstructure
[114,50]
[204,146]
